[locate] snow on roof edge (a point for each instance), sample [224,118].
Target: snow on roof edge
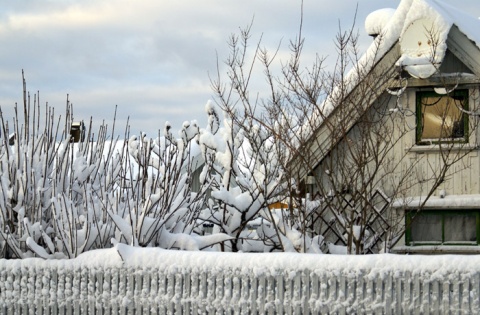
[468,24]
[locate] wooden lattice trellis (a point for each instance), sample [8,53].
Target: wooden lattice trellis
[377,224]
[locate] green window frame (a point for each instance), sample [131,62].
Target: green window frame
[442,227]
[439,117]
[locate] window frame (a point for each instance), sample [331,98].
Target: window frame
[419,117]
[409,217]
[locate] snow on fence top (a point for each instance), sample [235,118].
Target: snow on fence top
[441,267]
[378,265]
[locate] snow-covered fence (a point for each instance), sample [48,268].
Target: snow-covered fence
[126,280]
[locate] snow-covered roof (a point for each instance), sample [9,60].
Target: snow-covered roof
[421,27]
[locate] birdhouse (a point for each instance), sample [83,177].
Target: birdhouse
[77,131]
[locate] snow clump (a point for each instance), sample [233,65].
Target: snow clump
[377,20]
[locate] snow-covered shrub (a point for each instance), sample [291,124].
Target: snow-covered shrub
[54,193]
[161,208]
[59,198]
[243,172]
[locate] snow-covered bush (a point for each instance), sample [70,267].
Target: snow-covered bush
[54,192]
[243,172]
[59,198]
[162,209]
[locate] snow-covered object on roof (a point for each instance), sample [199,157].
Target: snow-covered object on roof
[423,39]
[377,20]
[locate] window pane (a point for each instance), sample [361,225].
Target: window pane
[441,118]
[426,228]
[460,228]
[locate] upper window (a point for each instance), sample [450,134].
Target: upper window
[440,118]
[442,227]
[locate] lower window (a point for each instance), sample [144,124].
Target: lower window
[442,227]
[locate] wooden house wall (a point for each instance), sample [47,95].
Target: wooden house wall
[421,162]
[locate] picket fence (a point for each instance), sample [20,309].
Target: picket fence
[49,287]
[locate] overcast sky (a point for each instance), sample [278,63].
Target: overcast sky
[151,58]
